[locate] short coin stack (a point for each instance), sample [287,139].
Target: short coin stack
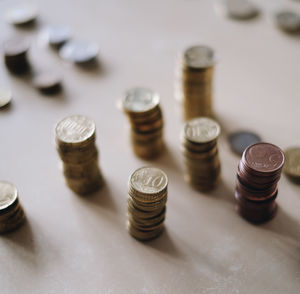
[197,74]
[11,212]
[199,147]
[145,116]
[75,138]
[258,173]
[148,190]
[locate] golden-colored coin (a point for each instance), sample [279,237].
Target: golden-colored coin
[292,162]
[8,195]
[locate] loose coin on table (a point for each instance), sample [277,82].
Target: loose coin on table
[12,214]
[80,52]
[47,82]
[5,97]
[240,140]
[292,163]
[75,139]
[22,14]
[148,190]
[57,35]
[288,21]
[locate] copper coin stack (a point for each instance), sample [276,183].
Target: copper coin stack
[148,190]
[145,116]
[197,67]
[200,151]
[75,138]
[258,173]
[12,215]
[15,55]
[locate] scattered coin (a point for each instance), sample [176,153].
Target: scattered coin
[22,14]
[288,21]
[292,163]
[147,189]
[79,51]
[47,83]
[57,35]
[11,211]
[75,138]
[5,97]
[142,108]
[240,140]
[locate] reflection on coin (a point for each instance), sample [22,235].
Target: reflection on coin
[57,35]
[239,141]
[75,129]
[5,97]
[149,180]
[22,14]
[292,162]
[79,51]
[238,9]
[201,130]
[47,82]
[288,21]
[199,57]
[8,195]
[140,100]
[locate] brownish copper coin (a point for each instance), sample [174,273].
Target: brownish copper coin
[47,82]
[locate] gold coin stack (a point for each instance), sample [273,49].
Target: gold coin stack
[145,116]
[75,139]
[197,67]
[148,190]
[12,215]
[199,147]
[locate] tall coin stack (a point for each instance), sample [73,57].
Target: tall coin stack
[75,138]
[148,190]
[12,215]
[145,116]
[200,151]
[258,173]
[197,65]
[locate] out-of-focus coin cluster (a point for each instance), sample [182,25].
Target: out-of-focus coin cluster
[258,173]
[200,152]
[12,214]
[75,138]
[148,190]
[197,67]
[145,116]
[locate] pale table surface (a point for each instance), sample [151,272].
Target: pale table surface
[75,244]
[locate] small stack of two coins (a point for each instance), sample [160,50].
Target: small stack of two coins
[146,120]
[11,212]
[200,151]
[196,81]
[258,173]
[147,202]
[75,138]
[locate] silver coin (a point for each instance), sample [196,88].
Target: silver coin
[57,35]
[149,180]
[199,56]
[47,81]
[5,97]
[8,194]
[238,9]
[140,100]
[239,141]
[288,21]
[75,129]
[79,51]
[201,130]
[21,14]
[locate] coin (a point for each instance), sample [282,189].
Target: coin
[5,97]
[199,56]
[47,82]
[57,35]
[22,14]
[8,195]
[288,21]
[292,162]
[79,51]
[240,140]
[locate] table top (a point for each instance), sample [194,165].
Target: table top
[74,244]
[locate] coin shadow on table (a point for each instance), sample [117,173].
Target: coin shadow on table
[93,67]
[222,191]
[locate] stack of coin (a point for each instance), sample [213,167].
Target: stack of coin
[11,212]
[258,173]
[148,190]
[15,55]
[197,67]
[199,147]
[145,116]
[292,164]
[75,138]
